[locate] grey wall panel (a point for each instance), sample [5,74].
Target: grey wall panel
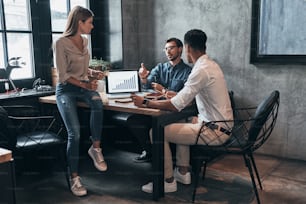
[146,25]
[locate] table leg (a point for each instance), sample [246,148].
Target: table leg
[7,178]
[158,158]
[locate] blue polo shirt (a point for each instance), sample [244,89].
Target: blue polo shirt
[172,78]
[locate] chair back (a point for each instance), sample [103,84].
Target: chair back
[233,104]
[6,140]
[264,120]
[28,129]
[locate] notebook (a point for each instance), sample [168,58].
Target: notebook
[120,84]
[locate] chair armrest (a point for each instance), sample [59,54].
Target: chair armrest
[238,127]
[18,106]
[30,117]
[21,110]
[245,108]
[35,123]
[237,138]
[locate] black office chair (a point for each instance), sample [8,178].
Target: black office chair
[29,135]
[252,127]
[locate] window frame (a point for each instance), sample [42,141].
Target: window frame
[42,38]
[5,32]
[35,23]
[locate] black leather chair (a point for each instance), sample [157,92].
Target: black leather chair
[30,135]
[252,127]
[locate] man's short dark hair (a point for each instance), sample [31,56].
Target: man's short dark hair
[177,41]
[196,39]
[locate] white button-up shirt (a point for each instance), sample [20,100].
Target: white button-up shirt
[207,85]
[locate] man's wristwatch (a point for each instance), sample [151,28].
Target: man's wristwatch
[145,102]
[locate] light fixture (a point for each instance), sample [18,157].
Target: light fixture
[13,63]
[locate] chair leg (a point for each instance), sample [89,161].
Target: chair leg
[197,167]
[255,169]
[249,166]
[204,170]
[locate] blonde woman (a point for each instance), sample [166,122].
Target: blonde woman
[72,61]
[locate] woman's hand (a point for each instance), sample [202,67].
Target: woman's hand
[99,75]
[96,74]
[92,85]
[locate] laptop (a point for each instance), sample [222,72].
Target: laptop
[120,84]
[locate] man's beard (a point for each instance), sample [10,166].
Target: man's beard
[173,58]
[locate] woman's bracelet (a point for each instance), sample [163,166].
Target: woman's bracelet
[81,84]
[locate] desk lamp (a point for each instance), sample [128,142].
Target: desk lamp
[13,63]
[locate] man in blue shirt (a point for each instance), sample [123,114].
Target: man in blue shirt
[170,75]
[167,78]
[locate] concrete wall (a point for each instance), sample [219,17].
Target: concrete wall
[147,23]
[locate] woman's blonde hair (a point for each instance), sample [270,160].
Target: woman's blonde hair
[77,14]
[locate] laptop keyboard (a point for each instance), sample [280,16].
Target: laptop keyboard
[124,95]
[119,95]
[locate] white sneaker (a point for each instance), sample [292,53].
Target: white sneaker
[76,187]
[168,187]
[184,179]
[97,157]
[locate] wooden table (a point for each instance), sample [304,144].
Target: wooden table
[5,155]
[159,120]
[7,177]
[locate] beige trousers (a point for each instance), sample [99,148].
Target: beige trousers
[184,135]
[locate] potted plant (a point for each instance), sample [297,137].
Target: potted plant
[100,64]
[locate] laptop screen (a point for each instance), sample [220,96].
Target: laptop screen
[123,81]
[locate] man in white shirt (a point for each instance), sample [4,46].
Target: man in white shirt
[205,84]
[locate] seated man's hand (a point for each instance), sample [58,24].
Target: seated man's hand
[143,72]
[170,94]
[137,100]
[157,87]
[194,119]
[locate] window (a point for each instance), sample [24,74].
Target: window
[16,36]
[28,29]
[25,31]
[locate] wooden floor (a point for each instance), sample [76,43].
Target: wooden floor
[227,181]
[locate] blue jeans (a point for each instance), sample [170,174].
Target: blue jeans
[67,96]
